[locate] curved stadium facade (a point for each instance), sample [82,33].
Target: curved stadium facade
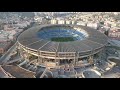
[61,42]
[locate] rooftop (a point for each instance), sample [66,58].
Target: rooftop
[30,39]
[18,72]
[2,73]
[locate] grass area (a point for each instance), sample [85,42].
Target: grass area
[62,39]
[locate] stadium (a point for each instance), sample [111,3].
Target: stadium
[61,44]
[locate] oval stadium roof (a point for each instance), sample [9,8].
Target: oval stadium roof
[30,39]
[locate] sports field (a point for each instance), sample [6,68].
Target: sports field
[62,39]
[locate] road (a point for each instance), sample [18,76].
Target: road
[15,60]
[6,56]
[114,42]
[113,57]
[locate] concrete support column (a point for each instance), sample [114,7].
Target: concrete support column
[58,59]
[77,56]
[57,62]
[90,59]
[55,57]
[20,50]
[74,59]
[42,60]
[28,54]
[38,56]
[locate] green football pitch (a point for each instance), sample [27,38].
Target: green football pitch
[62,39]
